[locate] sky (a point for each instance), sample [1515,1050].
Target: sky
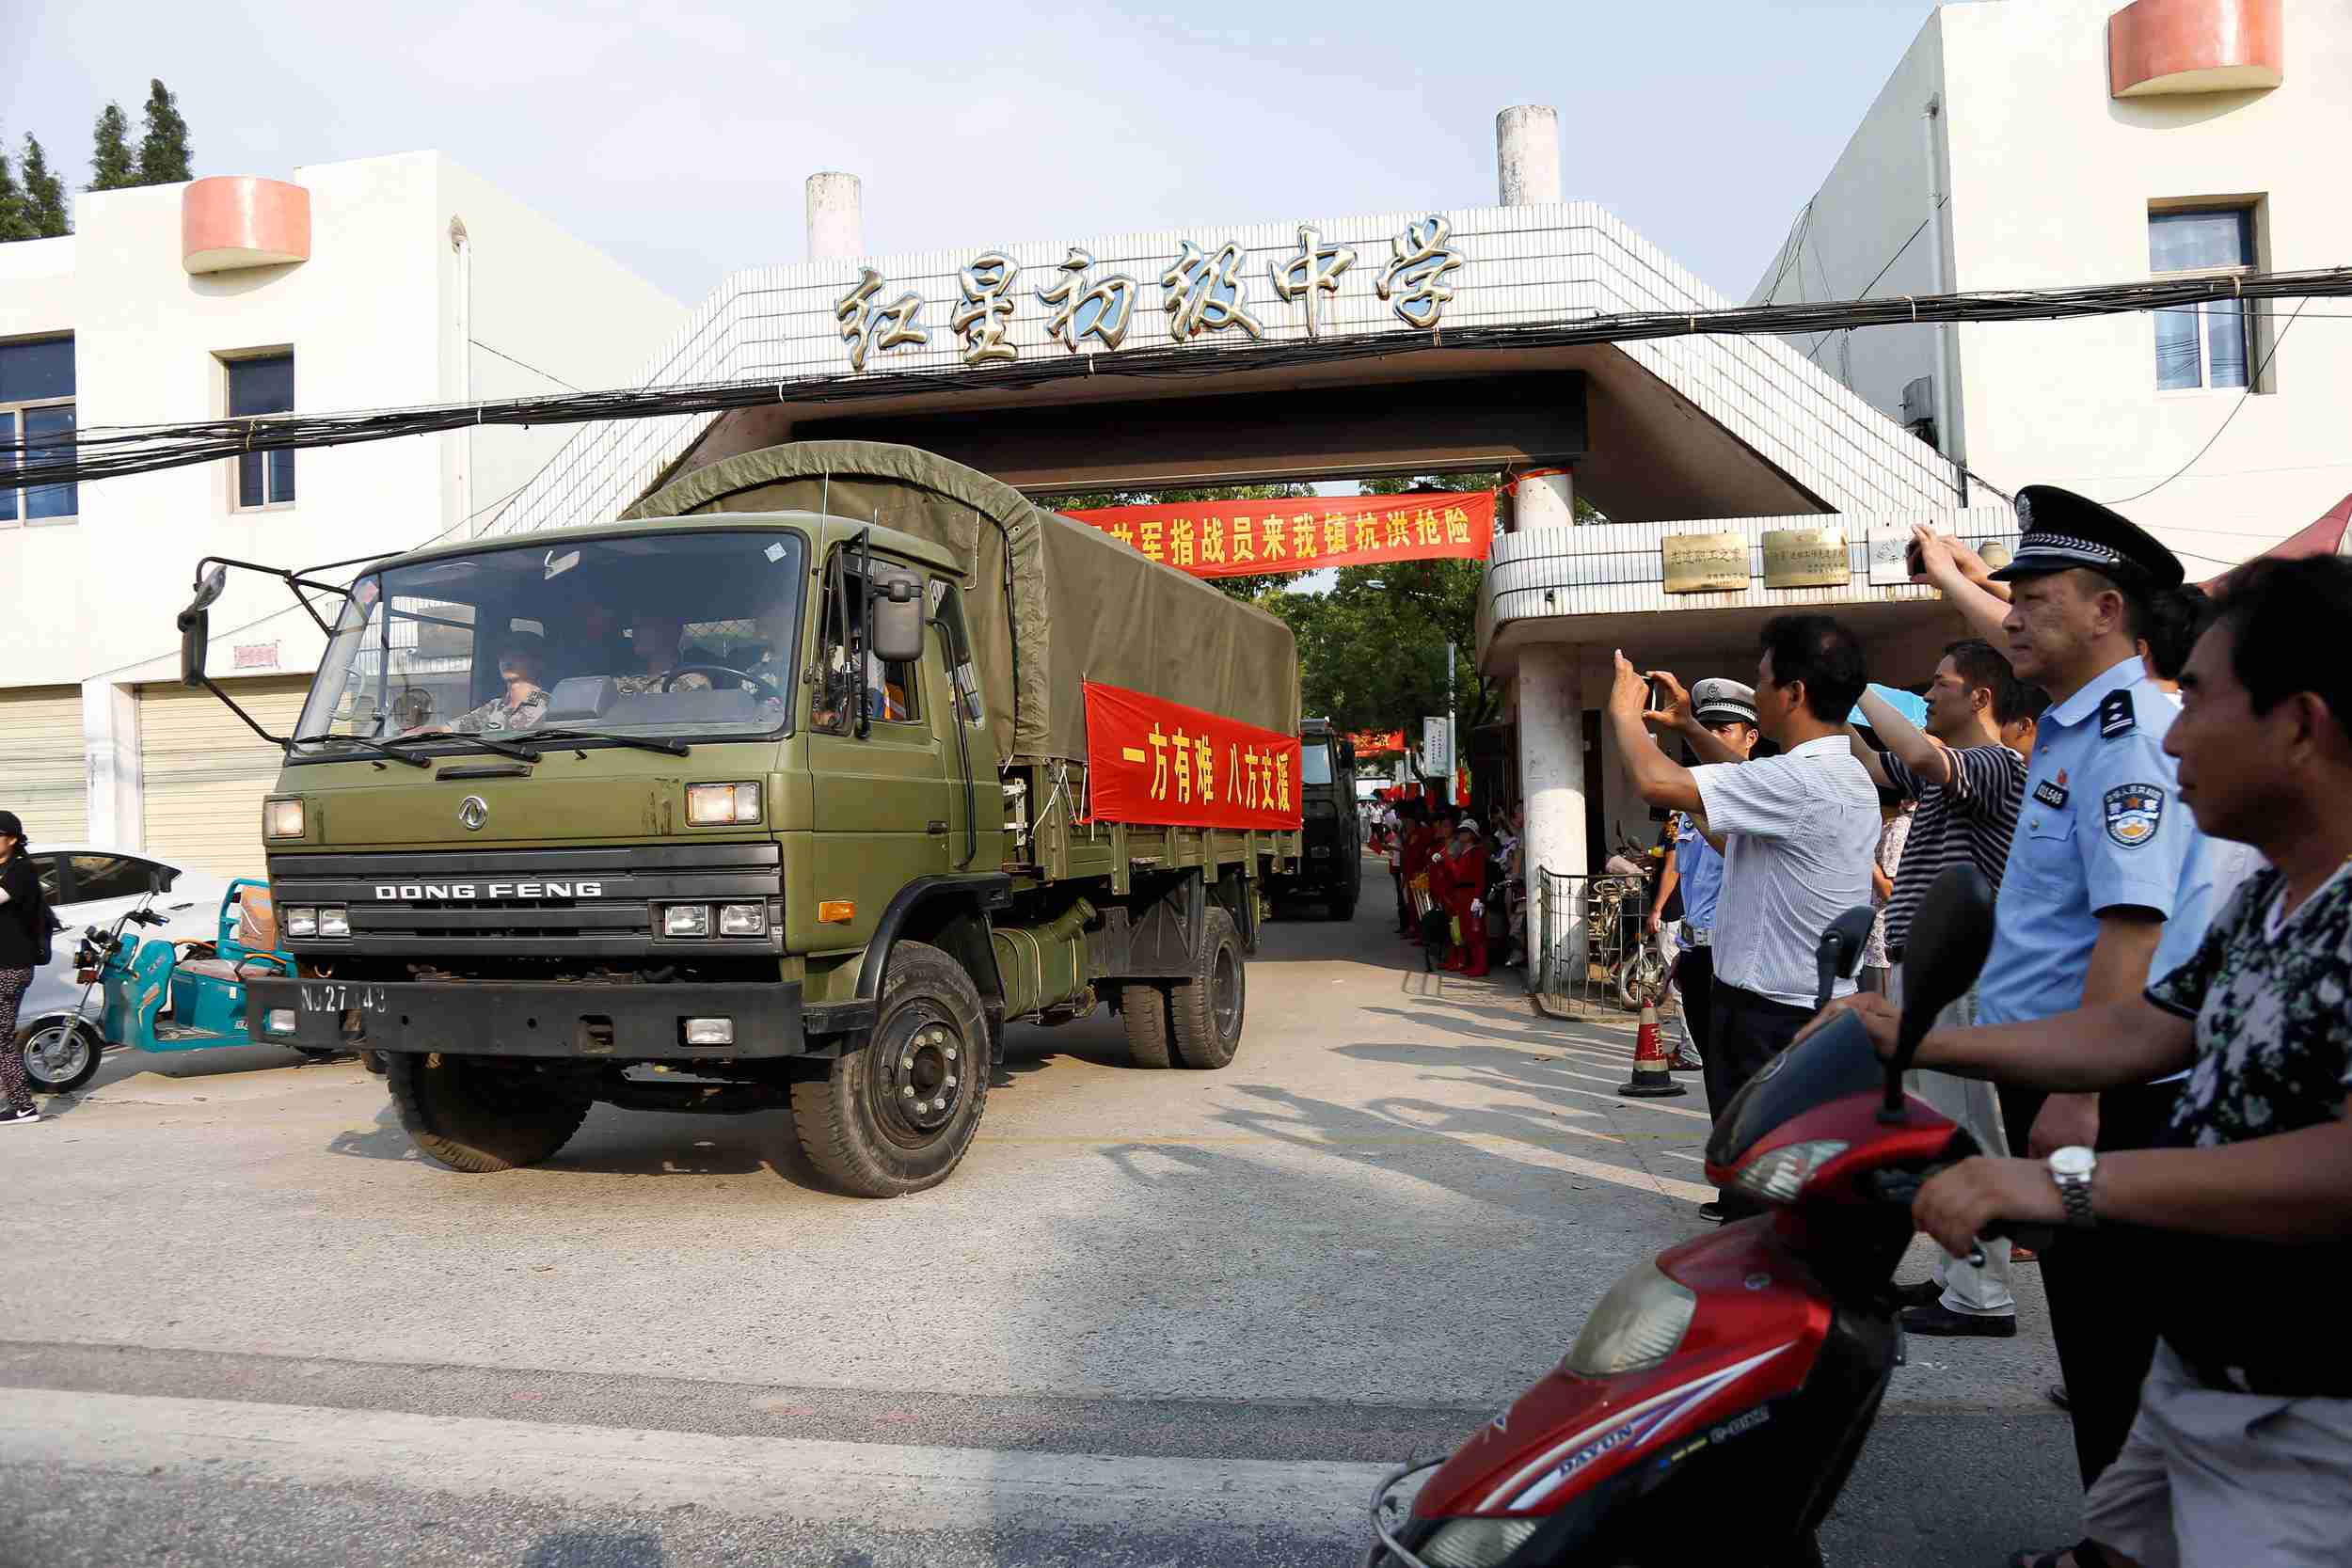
[676,136]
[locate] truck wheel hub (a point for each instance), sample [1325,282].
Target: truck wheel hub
[922,1069]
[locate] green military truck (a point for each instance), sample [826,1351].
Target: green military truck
[771,794]
[1331,869]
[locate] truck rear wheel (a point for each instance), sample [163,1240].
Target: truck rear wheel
[1144,1008]
[473,1116]
[896,1115]
[1208,1007]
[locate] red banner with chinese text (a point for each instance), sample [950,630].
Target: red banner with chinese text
[1232,539]
[1149,760]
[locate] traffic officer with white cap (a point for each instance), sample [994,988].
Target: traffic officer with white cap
[2102,854]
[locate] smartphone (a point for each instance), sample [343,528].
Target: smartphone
[1658,702]
[1912,562]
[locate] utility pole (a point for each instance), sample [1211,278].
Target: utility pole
[1452,756]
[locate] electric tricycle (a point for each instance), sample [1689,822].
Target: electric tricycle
[202,983]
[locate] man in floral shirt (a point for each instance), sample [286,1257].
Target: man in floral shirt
[2239,1223]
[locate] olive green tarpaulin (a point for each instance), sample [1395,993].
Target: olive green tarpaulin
[1050,603]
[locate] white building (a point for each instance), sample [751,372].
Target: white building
[2043,144]
[380,282]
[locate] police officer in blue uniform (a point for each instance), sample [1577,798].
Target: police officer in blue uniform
[2103,853]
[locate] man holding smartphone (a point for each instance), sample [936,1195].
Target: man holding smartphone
[1726,710]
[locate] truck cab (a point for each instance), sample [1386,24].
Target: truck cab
[1330,871]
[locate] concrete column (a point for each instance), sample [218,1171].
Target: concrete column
[116,779]
[1543,499]
[1551,772]
[1527,155]
[837,218]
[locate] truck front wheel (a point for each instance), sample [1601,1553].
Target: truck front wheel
[475,1113]
[1207,1007]
[896,1115]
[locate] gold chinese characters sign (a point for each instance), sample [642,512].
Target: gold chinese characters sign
[1705,562]
[1806,558]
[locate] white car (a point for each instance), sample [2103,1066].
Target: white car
[89,885]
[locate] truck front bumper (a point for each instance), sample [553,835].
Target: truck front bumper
[527,1019]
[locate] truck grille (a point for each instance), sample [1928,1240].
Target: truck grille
[532,903]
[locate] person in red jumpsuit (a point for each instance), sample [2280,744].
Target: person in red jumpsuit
[1465,862]
[1419,848]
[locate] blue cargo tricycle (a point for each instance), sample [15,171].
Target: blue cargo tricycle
[203,983]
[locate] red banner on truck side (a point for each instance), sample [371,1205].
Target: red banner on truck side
[1236,539]
[1151,760]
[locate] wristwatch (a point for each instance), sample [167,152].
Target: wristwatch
[2072,1168]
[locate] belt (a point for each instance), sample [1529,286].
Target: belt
[1697,936]
[2269,1381]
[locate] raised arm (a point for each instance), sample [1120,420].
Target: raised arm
[1657,779]
[1868,754]
[1983,611]
[1911,745]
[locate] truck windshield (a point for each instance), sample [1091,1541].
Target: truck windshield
[1315,764]
[665,633]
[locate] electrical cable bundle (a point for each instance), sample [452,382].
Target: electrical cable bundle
[104,452]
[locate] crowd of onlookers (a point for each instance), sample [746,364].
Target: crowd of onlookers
[1460,887]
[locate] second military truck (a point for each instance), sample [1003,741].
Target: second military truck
[770,794]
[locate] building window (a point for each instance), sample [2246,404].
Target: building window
[37,407]
[2209,345]
[262,386]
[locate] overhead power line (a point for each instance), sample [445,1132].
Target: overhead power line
[105,453]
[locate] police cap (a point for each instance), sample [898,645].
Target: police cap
[2059,531]
[1718,701]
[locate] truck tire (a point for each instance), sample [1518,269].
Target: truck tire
[1343,909]
[1145,1009]
[472,1116]
[1207,1009]
[896,1115]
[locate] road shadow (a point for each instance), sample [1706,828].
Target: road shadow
[592,1548]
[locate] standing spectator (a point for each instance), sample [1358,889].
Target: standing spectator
[1967,770]
[23,948]
[1797,831]
[1894,815]
[1421,841]
[2102,854]
[1465,864]
[1726,710]
[2233,1223]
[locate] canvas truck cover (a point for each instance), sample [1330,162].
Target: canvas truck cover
[1050,603]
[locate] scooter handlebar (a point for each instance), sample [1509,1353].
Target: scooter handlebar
[1902,1187]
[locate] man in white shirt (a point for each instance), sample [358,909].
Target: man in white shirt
[1799,832]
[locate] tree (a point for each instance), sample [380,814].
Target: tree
[44,194]
[163,150]
[111,166]
[15,222]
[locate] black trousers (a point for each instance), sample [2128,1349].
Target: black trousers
[1694,977]
[2101,1303]
[1404,905]
[1746,1031]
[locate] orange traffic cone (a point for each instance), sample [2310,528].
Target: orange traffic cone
[1653,1075]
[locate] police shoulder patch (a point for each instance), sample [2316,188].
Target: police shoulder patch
[2133,811]
[2116,716]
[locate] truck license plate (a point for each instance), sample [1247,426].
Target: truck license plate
[339,999]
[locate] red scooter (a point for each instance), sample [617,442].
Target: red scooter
[1717,1398]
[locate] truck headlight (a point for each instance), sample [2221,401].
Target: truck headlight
[281,819]
[278,1020]
[718,805]
[742,920]
[1637,1325]
[1782,1173]
[302,922]
[686,920]
[334,923]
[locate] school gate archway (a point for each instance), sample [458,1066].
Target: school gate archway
[1336,348]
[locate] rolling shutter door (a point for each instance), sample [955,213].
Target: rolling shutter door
[207,774]
[42,773]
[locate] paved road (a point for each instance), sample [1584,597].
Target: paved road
[1157,1317]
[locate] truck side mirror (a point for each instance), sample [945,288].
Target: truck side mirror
[196,625]
[897,617]
[1347,756]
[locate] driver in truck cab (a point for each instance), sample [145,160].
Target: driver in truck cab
[654,641]
[520,703]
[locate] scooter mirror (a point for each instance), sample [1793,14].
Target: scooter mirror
[1840,952]
[1951,931]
